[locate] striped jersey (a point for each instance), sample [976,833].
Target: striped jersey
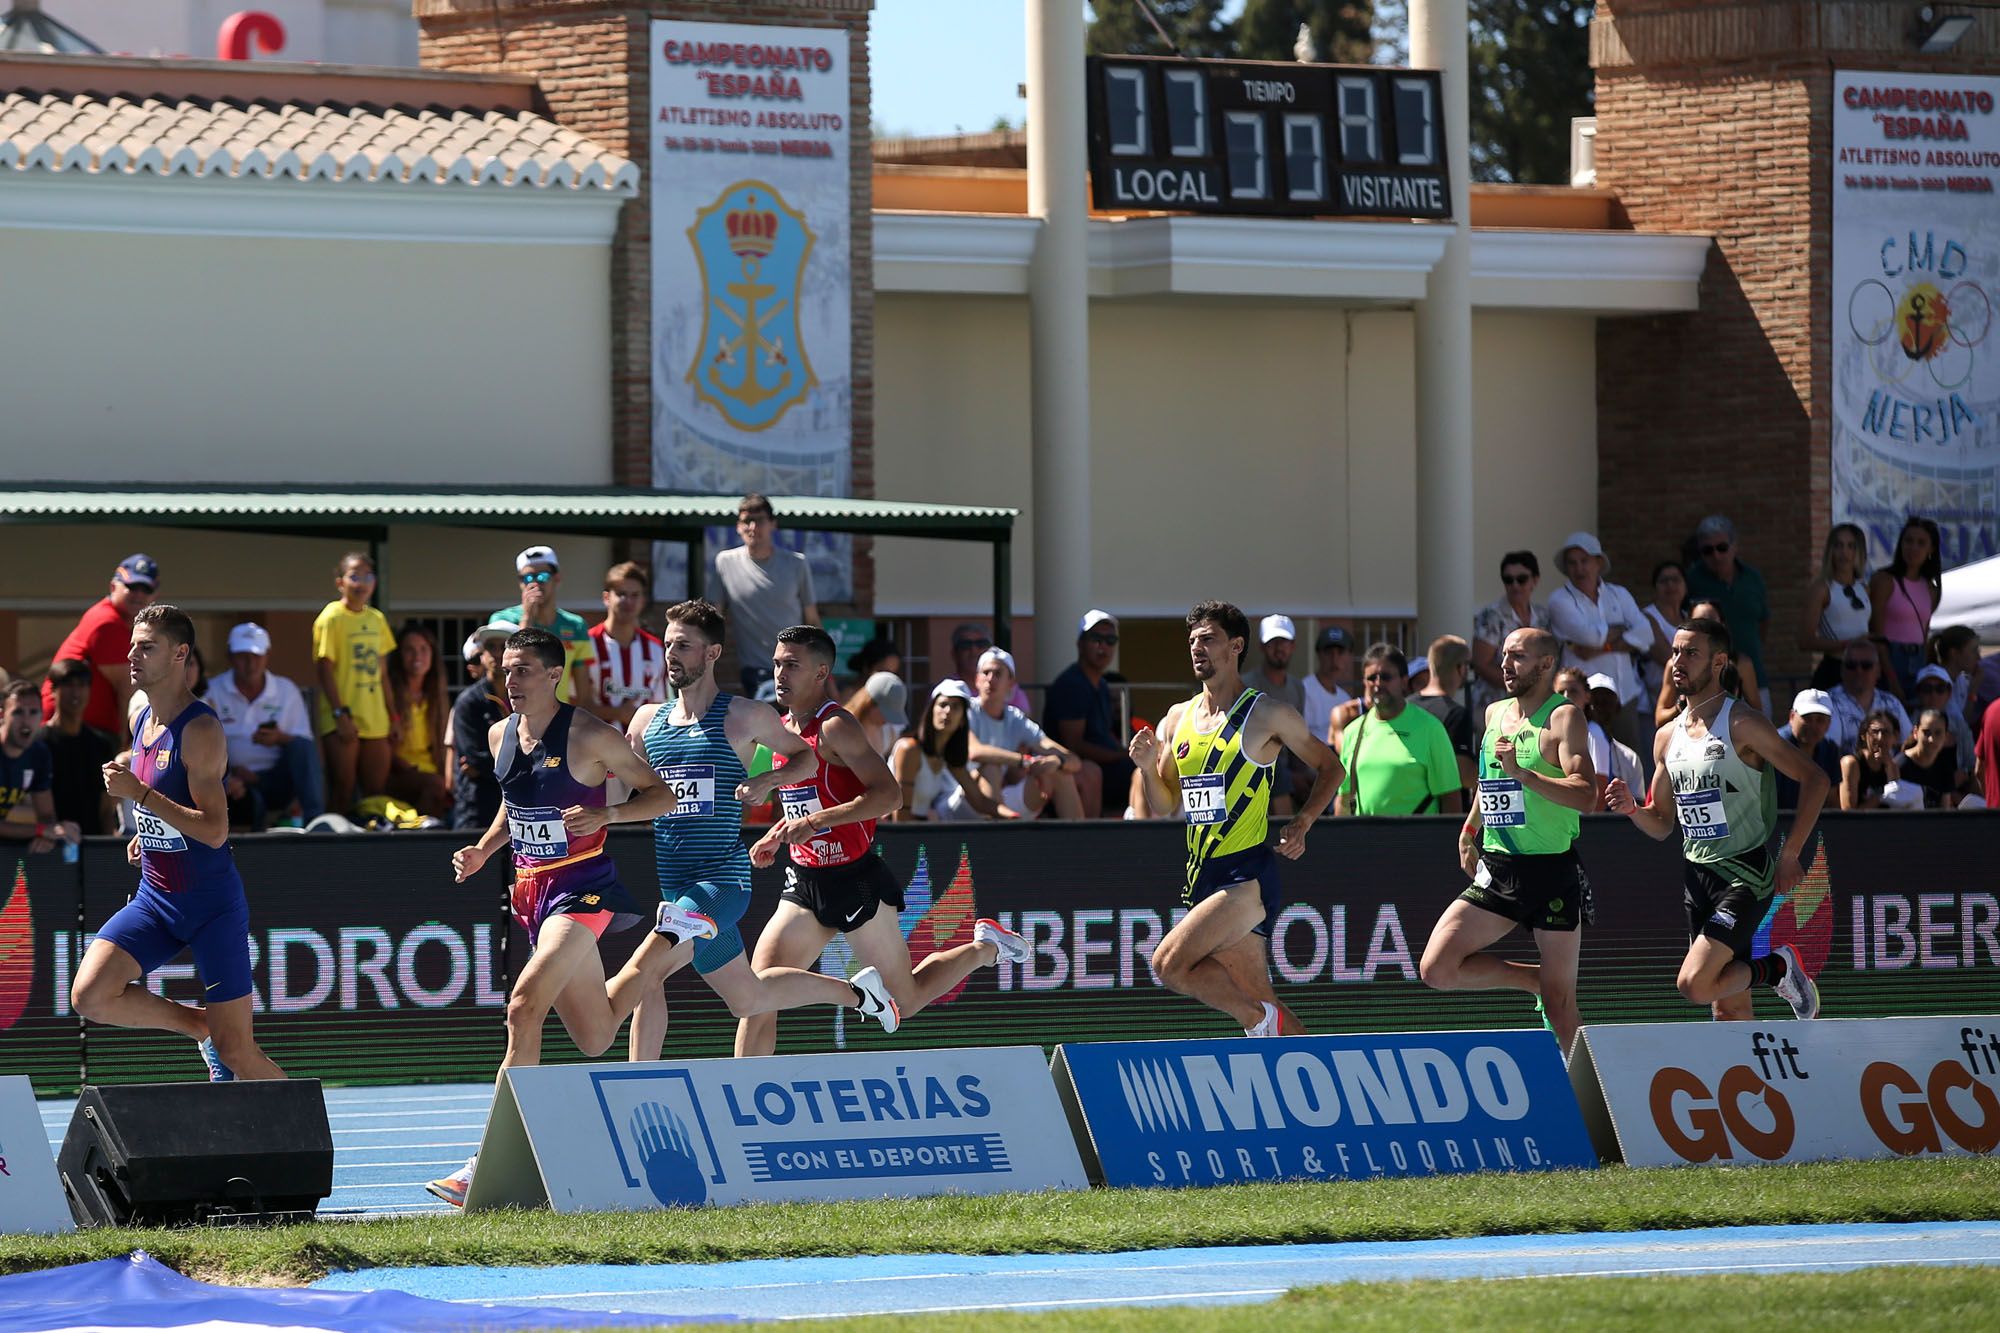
[628,673]
[703,833]
[1225,794]
[169,860]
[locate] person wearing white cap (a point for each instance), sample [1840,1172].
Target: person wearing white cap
[1812,718]
[1081,713]
[1933,689]
[931,763]
[475,789]
[540,574]
[1601,627]
[1042,772]
[1276,638]
[272,759]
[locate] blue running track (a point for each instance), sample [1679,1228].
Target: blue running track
[930,1284]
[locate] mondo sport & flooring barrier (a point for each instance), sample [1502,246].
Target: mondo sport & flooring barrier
[373,966]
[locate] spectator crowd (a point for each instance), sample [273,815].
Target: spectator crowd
[1896,710]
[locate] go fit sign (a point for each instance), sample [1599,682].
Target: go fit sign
[1672,1094]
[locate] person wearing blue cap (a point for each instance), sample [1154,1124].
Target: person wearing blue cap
[102,638]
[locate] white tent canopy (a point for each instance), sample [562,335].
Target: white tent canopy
[1972,597]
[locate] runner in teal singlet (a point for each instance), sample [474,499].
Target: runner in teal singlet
[1713,777]
[1517,845]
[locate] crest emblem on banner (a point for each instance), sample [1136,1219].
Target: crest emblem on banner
[751,363]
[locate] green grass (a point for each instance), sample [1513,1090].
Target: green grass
[1902,1299]
[1614,1199]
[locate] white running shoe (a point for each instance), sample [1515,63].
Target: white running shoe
[1012,946]
[876,1002]
[1268,1025]
[1795,987]
[453,1187]
[682,924]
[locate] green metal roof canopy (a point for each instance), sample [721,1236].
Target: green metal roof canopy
[367,514]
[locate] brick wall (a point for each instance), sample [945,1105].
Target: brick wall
[592,59]
[1716,118]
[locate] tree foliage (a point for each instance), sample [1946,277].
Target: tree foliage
[1530,74]
[1269,30]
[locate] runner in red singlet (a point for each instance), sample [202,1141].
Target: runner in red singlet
[836,881]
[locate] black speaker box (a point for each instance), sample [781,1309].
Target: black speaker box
[167,1153]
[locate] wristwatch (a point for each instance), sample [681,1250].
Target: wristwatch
[343,711]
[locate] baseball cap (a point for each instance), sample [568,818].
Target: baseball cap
[951,688]
[891,697]
[1599,681]
[1000,655]
[544,555]
[1275,627]
[1333,636]
[1419,666]
[139,571]
[1806,702]
[492,629]
[68,668]
[1932,672]
[1092,619]
[1585,542]
[250,638]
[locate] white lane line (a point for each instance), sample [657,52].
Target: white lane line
[338,1162]
[391,1184]
[1246,1293]
[391,1115]
[405,1130]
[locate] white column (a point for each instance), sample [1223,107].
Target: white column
[1445,576]
[1059,331]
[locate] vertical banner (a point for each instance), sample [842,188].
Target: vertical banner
[1916,266]
[752,336]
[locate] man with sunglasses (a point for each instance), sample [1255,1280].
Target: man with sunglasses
[1719,577]
[1857,696]
[541,579]
[969,642]
[1082,715]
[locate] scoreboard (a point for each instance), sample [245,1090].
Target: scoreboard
[1266,137]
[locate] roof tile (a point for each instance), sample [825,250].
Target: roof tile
[102,133]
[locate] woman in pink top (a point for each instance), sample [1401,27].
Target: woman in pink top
[1902,597]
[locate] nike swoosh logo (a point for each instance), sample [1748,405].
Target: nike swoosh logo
[858,913]
[212,986]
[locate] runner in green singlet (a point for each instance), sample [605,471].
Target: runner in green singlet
[1713,777]
[1216,772]
[1518,843]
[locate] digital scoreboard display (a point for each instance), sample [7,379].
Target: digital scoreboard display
[1266,137]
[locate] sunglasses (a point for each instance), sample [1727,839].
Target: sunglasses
[1852,665]
[1716,548]
[1517,580]
[981,644]
[1853,597]
[538,576]
[1102,638]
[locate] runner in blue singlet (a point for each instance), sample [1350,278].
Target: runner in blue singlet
[189,895]
[701,746]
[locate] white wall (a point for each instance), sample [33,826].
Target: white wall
[1260,451]
[258,359]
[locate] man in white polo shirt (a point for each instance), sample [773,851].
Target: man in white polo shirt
[272,758]
[1601,627]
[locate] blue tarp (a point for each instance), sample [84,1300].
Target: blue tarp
[139,1292]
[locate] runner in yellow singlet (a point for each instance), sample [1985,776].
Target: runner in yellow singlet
[1518,844]
[1215,771]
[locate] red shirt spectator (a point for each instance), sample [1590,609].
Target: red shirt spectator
[1989,757]
[103,638]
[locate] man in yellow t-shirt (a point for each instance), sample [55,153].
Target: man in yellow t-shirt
[351,639]
[541,579]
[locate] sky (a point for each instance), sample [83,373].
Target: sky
[943,66]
